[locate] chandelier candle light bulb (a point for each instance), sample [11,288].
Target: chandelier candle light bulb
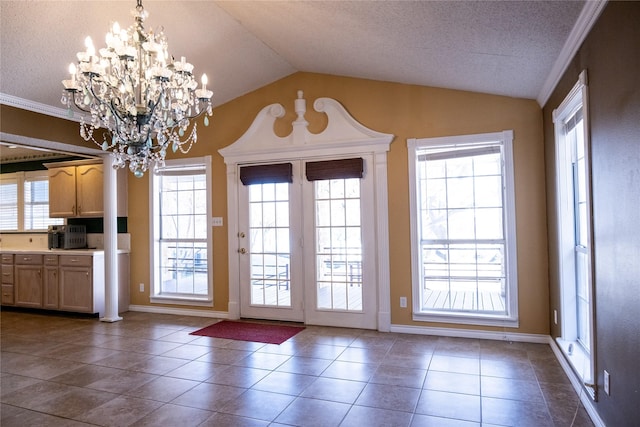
[143,99]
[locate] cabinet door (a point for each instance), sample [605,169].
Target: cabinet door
[7,279]
[62,192]
[89,189]
[7,294]
[76,289]
[50,288]
[7,274]
[28,286]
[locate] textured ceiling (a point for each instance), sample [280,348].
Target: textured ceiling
[497,47]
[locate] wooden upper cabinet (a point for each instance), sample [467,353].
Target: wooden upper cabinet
[89,190]
[78,190]
[62,192]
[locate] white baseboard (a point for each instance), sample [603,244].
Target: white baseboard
[471,333]
[179,311]
[586,400]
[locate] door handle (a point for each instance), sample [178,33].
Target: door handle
[242,250]
[241,235]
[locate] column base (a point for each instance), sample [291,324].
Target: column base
[110,319]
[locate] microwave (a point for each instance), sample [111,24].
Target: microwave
[67,236]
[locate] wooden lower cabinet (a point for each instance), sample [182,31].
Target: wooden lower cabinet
[50,283]
[7,294]
[28,281]
[76,283]
[57,280]
[50,288]
[7,280]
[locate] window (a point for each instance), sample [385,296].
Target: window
[574,232]
[181,208]
[24,202]
[9,202]
[463,229]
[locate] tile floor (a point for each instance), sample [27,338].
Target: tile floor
[148,371]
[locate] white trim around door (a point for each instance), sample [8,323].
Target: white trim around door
[343,137]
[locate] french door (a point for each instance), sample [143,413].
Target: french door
[270,247]
[305,244]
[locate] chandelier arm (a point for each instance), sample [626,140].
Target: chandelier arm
[98,98]
[202,111]
[114,110]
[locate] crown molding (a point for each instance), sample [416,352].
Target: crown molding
[590,13]
[36,107]
[25,141]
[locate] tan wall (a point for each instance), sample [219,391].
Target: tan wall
[33,125]
[407,112]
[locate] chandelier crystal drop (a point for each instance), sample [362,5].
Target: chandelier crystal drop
[139,94]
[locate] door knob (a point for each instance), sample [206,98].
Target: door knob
[241,235]
[242,250]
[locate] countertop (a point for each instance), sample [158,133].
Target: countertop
[58,251]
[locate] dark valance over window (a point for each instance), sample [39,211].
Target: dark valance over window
[335,169]
[262,174]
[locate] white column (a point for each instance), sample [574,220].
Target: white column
[232,241]
[110,242]
[382,236]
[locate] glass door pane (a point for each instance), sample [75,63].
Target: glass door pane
[338,245]
[270,251]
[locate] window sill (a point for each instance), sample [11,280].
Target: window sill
[467,319]
[177,300]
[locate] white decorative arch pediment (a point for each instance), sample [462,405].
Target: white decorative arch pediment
[342,135]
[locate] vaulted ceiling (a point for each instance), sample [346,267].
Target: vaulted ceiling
[497,47]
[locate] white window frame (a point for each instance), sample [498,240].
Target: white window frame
[20,178]
[194,163]
[582,361]
[510,318]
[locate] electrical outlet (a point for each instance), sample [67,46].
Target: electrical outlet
[403,302]
[607,378]
[555,316]
[216,221]
[141,287]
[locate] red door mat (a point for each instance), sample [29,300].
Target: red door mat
[248,331]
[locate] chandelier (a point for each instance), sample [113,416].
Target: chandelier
[141,95]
